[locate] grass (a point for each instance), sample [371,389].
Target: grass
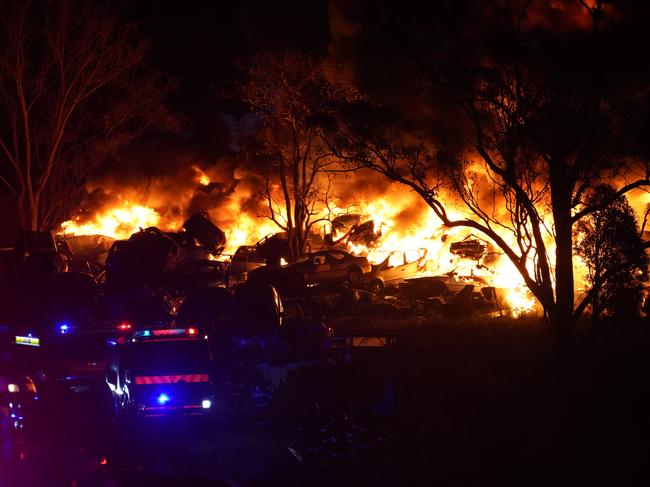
[478,400]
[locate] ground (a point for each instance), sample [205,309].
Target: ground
[457,404]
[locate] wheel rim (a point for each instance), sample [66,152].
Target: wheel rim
[354,276]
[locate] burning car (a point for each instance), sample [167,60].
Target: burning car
[158,258]
[243,261]
[315,268]
[469,248]
[395,269]
[442,286]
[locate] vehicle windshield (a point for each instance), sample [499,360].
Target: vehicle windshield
[169,357]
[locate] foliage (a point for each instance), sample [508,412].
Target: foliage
[72,88]
[610,245]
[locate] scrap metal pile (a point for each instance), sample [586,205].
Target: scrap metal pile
[335,270]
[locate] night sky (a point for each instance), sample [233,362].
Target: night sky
[197,42]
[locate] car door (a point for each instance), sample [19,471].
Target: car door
[338,265]
[318,269]
[394,270]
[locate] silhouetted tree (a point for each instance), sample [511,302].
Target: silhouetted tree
[293,98]
[610,245]
[72,87]
[524,122]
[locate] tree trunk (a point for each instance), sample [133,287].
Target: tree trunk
[595,315]
[562,320]
[33,214]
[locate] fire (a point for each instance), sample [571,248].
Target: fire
[421,236]
[202,178]
[247,230]
[241,228]
[117,222]
[401,222]
[428,235]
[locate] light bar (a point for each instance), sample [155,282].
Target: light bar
[166,332]
[124,326]
[28,340]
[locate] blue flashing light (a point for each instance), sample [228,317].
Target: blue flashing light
[163,399]
[111,342]
[146,333]
[64,328]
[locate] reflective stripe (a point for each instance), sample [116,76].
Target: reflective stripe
[169,379]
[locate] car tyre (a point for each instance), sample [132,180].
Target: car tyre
[354,276]
[376,287]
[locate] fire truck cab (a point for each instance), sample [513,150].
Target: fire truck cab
[161,371]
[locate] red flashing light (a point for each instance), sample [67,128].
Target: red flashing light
[103,461]
[192,331]
[124,326]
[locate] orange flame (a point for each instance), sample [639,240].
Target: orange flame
[118,222]
[417,234]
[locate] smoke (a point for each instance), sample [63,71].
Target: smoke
[368,43]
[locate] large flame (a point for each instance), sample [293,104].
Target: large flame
[117,222]
[396,228]
[428,236]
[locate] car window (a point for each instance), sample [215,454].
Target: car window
[413,255]
[396,259]
[336,256]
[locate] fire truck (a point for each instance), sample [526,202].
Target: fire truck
[157,372]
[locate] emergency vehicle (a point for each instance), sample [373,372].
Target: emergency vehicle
[161,371]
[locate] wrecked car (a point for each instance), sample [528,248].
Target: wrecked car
[366,234]
[341,226]
[395,269]
[315,268]
[245,259]
[155,258]
[469,248]
[445,285]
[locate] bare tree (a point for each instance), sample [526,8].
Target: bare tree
[72,87]
[533,133]
[294,100]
